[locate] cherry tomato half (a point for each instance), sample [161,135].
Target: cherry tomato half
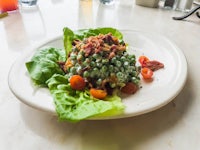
[146,73]
[143,59]
[97,93]
[77,82]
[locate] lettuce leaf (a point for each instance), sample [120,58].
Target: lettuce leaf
[78,105]
[44,64]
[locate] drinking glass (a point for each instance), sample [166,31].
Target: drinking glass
[147,3]
[107,2]
[28,3]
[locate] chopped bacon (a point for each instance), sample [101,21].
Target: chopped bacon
[61,65]
[75,42]
[88,48]
[111,55]
[96,44]
[153,65]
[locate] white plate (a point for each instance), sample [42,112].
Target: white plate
[167,83]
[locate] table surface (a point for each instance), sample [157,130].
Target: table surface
[174,126]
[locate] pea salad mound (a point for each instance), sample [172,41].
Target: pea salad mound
[104,64]
[87,75]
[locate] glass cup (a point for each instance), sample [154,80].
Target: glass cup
[8,5]
[27,3]
[107,2]
[147,3]
[183,5]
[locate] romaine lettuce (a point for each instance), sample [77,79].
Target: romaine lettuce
[78,105]
[44,64]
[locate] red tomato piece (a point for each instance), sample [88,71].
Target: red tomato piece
[143,59]
[146,73]
[97,93]
[77,82]
[129,88]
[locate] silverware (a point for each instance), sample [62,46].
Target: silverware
[189,14]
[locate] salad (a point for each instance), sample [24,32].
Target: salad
[87,77]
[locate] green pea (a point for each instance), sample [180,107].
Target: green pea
[99,65]
[95,71]
[77,65]
[92,64]
[86,74]
[87,60]
[120,75]
[111,68]
[73,56]
[131,68]
[126,54]
[113,60]
[133,73]
[117,57]
[69,75]
[136,81]
[106,74]
[96,56]
[118,63]
[73,70]
[91,74]
[126,64]
[79,56]
[104,69]
[133,78]
[132,60]
[98,60]
[82,53]
[122,69]
[85,63]
[99,81]
[116,69]
[123,58]
[105,61]
[112,85]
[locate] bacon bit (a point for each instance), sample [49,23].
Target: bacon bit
[153,65]
[79,46]
[111,55]
[115,40]
[97,50]
[87,48]
[96,44]
[75,42]
[122,48]
[106,47]
[113,48]
[61,65]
